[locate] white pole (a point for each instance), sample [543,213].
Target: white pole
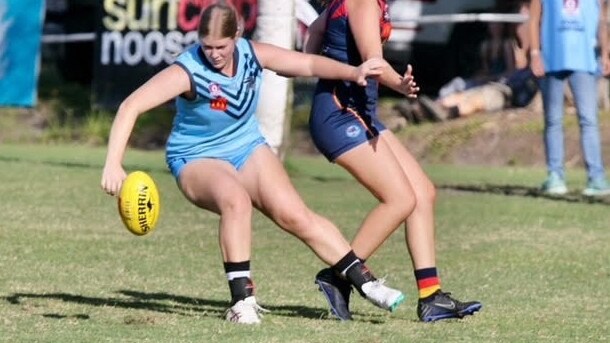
[275,25]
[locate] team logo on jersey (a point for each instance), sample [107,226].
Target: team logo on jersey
[215,89]
[352,131]
[219,104]
[571,7]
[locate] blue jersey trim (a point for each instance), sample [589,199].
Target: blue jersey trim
[192,81]
[254,57]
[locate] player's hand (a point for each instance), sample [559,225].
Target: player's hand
[112,179]
[537,66]
[370,68]
[408,85]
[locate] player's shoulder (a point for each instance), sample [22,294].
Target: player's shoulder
[190,54]
[245,45]
[251,51]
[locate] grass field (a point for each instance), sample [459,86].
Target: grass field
[70,272]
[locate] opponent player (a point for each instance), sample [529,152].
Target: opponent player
[345,128]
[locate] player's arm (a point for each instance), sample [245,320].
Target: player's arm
[522,41]
[536,62]
[602,36]
[315,34]
[164,86]
[292,63]
[364,24]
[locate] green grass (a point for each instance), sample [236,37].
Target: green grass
[70,272]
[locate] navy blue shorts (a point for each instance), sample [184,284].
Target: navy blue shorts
[338,123]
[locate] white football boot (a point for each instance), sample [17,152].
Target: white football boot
[245,311]
[382,296]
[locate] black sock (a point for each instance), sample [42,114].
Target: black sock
[240,283]
[241,288]
[353,270]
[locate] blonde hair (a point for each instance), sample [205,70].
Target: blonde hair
[219,19]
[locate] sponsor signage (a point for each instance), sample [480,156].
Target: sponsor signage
[137,38]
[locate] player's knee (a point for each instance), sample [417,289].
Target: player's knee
[426,196]
[402,200]
[235,203]
[296,221]
[408,204]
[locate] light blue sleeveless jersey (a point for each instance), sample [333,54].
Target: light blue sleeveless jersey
[219,122]
[569,35]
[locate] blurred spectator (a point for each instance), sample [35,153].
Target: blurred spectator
[569,42]
[505,80]
[496,57]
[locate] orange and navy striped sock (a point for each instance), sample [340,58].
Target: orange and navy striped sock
[427,282]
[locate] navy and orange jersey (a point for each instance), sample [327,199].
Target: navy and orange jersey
[220,118]
[344,114]
[339,43]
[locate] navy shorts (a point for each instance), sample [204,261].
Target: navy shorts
[338,122]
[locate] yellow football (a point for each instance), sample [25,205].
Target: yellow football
[139,203]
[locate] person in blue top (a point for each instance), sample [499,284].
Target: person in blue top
[221,161]
[569,42]
[346,129]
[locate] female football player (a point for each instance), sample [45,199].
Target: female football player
[221,161]
[345,128]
